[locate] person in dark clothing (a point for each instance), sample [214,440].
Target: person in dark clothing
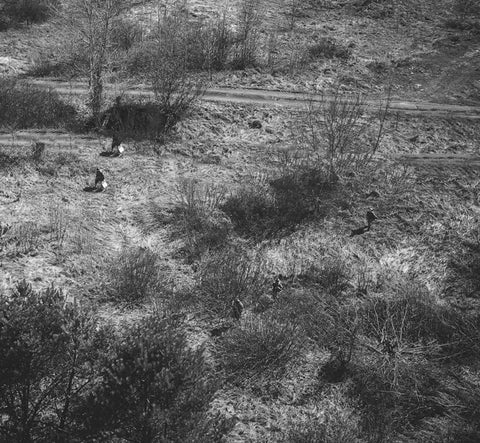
[359,231]
[371,217]
[237,309]
[99,177]
[116,147]
[277,287]
[100,183]
[116,142]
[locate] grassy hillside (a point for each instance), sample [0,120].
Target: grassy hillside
[123,328]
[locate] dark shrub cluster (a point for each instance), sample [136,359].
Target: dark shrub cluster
[138,120]
[15,12]
[275,208]
[48,350]
[134,275]
[258,346]
[328,48]
[463,278]
[65,377]
[150,386]
[229,274]
[24,106]
[198,219]
[125,34]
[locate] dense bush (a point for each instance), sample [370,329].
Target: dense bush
[23,106]
[47,350]
[136,120]
[134,275]
[59,61]
[463,277]
[151,386]
[466,8]
[125,34]
[14,12]
[457,417]
[209,47]
[256,346]
[252,209]
[276,207]
[229,274]
[175,86]
[332,275]
[340,134]
[328,48]
[331,324]
[249,19]
[198,218]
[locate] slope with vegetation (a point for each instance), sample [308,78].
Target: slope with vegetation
[116,308]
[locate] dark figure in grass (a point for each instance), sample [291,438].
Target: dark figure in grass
[116,147]
[100,183]
[277,286]
[371,217]
[237,309]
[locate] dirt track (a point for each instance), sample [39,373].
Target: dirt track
[434,163]
[264,97]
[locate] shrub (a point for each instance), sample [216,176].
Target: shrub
[134,275]
[26,11]
[340,136]
[403,336]
[124,34]
[136,120]
[219,41]
[252,210]
[176,89]
[248,29]
[276,207]
[229,274]
[209,47]
[457,417]
[329,48]
[66,60]
[410,315]
[37,151]
[302,193]
[47,349]
[198,219]
[23,106]
[137,61]
[396,394]
[331,325]
[464,8]
[463,277]
[332,275]
[151,386]
[256,346]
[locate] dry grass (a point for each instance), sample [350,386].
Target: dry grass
[374,334]
[258,346]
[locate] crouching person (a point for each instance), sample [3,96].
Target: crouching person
[100,183]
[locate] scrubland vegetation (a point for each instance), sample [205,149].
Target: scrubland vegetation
[116,309]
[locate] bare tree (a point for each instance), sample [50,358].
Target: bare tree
[90,22]
[342,134]
[175,86]
[248,28]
